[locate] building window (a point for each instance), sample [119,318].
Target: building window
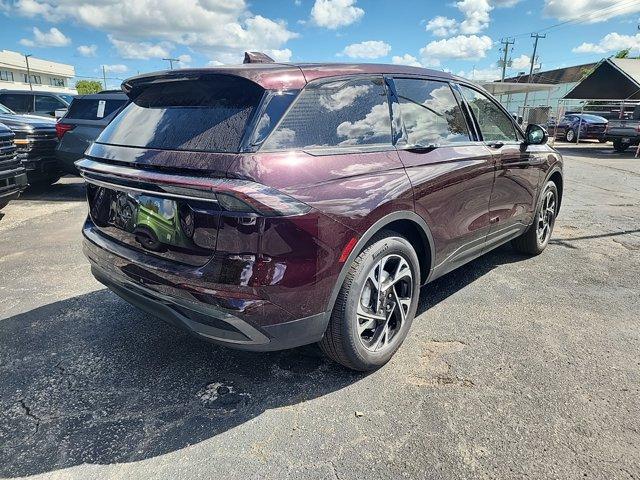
[56,82]
[37,79]
[6,76]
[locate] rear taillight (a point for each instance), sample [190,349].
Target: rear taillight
[62,128]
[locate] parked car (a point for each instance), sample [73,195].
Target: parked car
[591,127]
[86,118]
[42,104]
[314,199]
[13,178]
[626,132]
[35,138]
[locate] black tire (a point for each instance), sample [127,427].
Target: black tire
[42,183]
[4,203]
[571,136]
[620,147]
[530,242]
[342,342]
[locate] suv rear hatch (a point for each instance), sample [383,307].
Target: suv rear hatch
[83,122]
[157,175]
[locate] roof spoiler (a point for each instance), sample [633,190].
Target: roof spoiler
[257,57]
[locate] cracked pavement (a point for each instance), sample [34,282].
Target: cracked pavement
[515,367]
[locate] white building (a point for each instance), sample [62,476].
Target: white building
[45,75]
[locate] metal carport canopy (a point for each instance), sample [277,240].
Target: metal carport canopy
[501,88]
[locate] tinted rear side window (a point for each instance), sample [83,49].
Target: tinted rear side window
[93,109]
[17,103]
[430,112]
[336,114]
[204,114]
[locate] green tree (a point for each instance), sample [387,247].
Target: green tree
[623,53]
[85,87]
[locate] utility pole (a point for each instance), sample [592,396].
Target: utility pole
[26,57]
[506,42]
[104,76]
[171,60]
[537,37]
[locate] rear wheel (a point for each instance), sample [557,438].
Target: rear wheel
[619,146]
[376,304]
[536,238]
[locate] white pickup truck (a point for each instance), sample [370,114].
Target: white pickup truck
[624,132]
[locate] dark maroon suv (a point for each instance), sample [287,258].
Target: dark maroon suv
[267,206]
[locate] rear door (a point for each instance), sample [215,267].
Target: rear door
[450,170]
[517,169]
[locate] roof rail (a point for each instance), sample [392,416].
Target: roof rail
[257,57]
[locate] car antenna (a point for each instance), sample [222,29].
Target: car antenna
[257,57]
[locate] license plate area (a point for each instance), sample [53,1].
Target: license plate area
[183,231]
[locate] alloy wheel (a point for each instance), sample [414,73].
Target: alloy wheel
[384,303]
[546,216]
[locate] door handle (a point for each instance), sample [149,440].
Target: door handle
[496,144]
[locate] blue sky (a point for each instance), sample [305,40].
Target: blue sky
[461,36]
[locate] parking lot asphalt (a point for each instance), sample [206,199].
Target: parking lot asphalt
[515,367]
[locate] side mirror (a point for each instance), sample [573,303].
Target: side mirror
[536,135]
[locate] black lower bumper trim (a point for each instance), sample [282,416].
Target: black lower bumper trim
[214,325]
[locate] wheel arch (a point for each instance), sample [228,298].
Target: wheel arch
[556,177]
[407,224]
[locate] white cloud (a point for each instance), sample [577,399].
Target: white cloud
[405,59]
[504,3]
[523,61]
[118,68]
[212,27]
[481,74]
[460,47]
[141,50]
[333,14]
[368,49]
[52,38]
[592,11]
[611,43]
[184,60]
[87,50]
[283,55]
[442,26]
[476,14]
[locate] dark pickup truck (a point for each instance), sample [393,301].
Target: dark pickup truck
[13,178]
[624,132]
[36,142]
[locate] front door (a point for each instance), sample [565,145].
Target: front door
[518,171]
[451,173]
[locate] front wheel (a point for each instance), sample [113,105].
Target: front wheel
[619,146]
[376,304]
[536,238]
[571,136]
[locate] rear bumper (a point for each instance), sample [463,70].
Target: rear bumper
[66,161]
[224,317]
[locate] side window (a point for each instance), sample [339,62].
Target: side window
[45,103]
[16,102]
[494,124]
[336,114]
[430,112]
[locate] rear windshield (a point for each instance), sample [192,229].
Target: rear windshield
[203,114]
[93,109]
